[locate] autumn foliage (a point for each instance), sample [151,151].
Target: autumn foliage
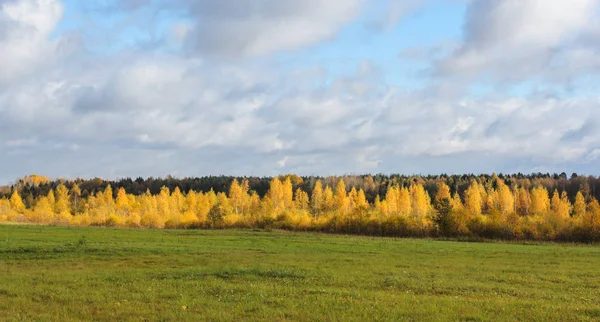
[485,209]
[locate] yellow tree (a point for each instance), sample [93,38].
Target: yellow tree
[287,193]
[108,197]
[245,186]
[473,200]
[163,205]
[392,197]
[328,199]
[190,202]
[566,203]
[382,207]
[492,200]
[591,220]
[105,207]
[555,201]
[540,202]
[301,199]
[506,200]
[43,212]
[404,202]
[579,207]
[235,196]
[316,198]
[341,198]
[361,200]
[484,197]
[204,202]
[177,202]
[523,201]
[16,202]
[149,211]
[558,216]
[62,203]
[561,207]
[75,198]
[351,199]
[189,210]
[377,204]
[420,200]
[443,192]
[254,203]
[224,203]
[456,203]
[5,211]
[275,195]
[51,199]
[122,203]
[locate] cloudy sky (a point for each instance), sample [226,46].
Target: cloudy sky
[120,88]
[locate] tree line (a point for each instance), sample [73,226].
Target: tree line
[372,185]
[533,207]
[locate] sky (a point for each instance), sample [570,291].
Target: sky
[128,88]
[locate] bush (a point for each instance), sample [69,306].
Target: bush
[216,216]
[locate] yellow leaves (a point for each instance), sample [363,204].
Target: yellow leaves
[443,192]
[506,200]
[316,198]
[16,202]
[404,202]
[398,201]
[523,201]
[287,193]
[75,190]
[341,201]
[62,203]
[488,205]
[42,212]
[108,196]
[235,194]
[540,202]
[579,207]
[561,207]
[188,218]
[421,204]
[4,209]
[35,180]
[301,200]
[177,202]
[52,200]
[473,201]
[456,203]
[280,195]
[133,220]
[361,200]
[152,220]
[591,220]
[328,199]
[81,220]
[390,208]
[122,201]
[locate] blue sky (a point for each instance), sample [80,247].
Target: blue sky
[156,87]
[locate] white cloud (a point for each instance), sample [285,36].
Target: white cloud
[515,40]
[251,28]
[24,29]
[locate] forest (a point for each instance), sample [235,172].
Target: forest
[508,207]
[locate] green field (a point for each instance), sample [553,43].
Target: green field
[62,274]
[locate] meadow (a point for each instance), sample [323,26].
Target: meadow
[110,274]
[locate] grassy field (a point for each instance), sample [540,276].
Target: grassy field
[52,273]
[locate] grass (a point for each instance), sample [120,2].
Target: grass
[69,274]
